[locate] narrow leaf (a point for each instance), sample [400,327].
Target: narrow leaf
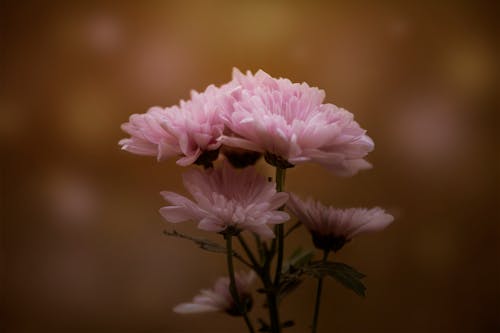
[342,273]
[298,258]
[349,282]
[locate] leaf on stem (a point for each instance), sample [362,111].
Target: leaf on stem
[298,259]
[342,273]
[292,271]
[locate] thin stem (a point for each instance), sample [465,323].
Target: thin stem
[208,245]
[272,247]
[248,322]
[276,246]
[260,246]
[295,226]
[249,253]
[280,179]
[319,290]
[242,260]
[232,284]
[279,264]
[272,303]
[280,184]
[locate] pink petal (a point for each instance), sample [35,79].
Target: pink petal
[211,224]
[240,143]
[176,214]
[186,308]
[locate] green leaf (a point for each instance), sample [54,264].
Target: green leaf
[289,282]
[297,259]
[342,273]
[292,271]
[348,270]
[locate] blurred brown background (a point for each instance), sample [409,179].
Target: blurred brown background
[82,244]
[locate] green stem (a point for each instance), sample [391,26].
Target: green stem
[232,283]
[279,264]
[277,245]
[243,261]
[280,184]
[261,247]
[272,303]
[295,226]
[256,267]
[319,290]
[280,179]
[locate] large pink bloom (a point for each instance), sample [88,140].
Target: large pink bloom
[291,125]
[331,227]
[225,197]
[219,297]
[187,130]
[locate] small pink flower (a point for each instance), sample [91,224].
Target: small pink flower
[188,130]
[219,297]
[290,124]
[331,227]
[227,198]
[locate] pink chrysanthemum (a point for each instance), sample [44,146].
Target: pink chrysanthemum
[219,297]
[331,227]
[227,198]
[288,122]
[190,130]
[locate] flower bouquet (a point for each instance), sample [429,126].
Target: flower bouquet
[225,131]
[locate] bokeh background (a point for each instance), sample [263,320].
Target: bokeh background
[82,248]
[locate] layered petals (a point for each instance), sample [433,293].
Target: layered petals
[331,227]
[187,130]
[226,197]
[219,297]
[290,121]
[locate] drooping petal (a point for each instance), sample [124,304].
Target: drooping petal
[175,214]
[374,219]
[186,308]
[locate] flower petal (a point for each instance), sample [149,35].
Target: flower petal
[186,308]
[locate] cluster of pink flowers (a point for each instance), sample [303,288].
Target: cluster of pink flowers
[287,122]
[251,116]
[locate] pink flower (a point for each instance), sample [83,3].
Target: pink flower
[289,124]
[190,130]
[331,227]
[227,198]
[219,298]
[147,134]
